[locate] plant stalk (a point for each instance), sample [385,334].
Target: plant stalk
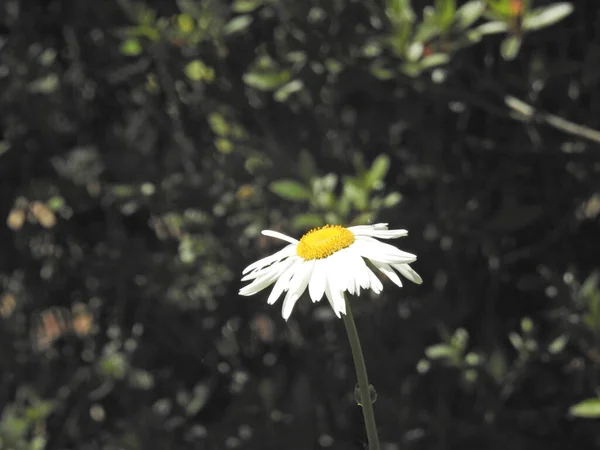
[363,381]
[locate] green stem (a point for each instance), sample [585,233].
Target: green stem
[363,381]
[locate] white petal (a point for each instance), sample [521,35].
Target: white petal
[408,272]
[380,232]
[266,277]
[282,282]
[297,287]
[376,285]
[378,251]
[389,272]
[316,286]
[336,300]
[281,254]
[278,235]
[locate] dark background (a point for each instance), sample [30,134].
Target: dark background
[134,186]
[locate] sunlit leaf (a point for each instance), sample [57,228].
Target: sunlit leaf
[131,47]
[196,71]
[509,49]
[266,81]
[307,221]
[439,351]
[288,89]
[469,13]
[290,190]
[546,16]
[588,409]
[45,85]
[445,11]
[238,24]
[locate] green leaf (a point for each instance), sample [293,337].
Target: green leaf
[558,345]
[288,89]
[307,221]
[306,165]
[440,351]
[266,81]
[246,6]
[509,49]
[469,13]
[238,24]
[290,190]
[363,218]
[445,11]
[392,199]
[131,47]
[494,27]
[587,409]
[218,124]
[185,22]
[45,85]
[378,171]
[196,70]
[546,16]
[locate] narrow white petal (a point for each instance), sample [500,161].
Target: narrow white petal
[277,266]
[281,254]
[367,228]
[282,283]
[376,285]
[378,251]
[408,272]
[297,287]
[389,272]
[385,234]
[266,277]
[278,235]
[316,286]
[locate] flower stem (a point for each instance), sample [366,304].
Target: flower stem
[363,381]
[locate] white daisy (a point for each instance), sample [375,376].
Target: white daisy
[329,260]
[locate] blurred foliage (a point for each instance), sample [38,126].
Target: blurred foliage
[145,145]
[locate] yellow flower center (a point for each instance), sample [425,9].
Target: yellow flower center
[322,242]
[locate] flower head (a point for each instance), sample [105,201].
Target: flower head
[330,261]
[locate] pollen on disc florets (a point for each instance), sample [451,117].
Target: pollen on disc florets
[322,242]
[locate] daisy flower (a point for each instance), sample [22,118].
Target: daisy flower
[330,261]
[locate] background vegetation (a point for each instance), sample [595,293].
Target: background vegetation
[144,146]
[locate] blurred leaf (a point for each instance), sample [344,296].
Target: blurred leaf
[588,409]
[392,199]
[469,13]
[40,410]
[494,27]
[378,171]
[290,190]
[218,124]
[306,221]
[306,165]
[363,218]
[131,47]
[509,49]
[246,6]
[558,345]
[440,351]
[196,71]
[186,23]
[224,145]
[445,11]
[516,340]
[238,24]
[55,203]
[266,81]
[288,89]
[547,15]
[45,85]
